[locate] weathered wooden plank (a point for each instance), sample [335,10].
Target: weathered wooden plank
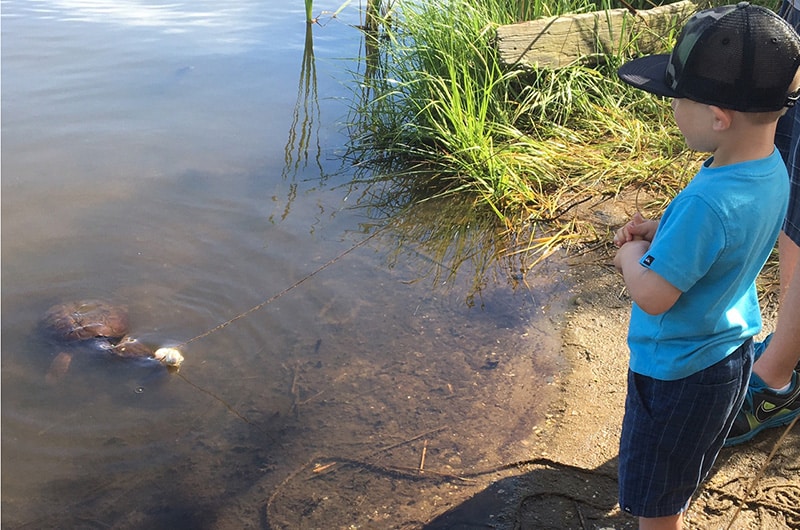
[559,41]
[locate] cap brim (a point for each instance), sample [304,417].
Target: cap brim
[648,74]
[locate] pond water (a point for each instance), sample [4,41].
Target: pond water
[185,160]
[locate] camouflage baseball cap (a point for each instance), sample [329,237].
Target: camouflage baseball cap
[739,57]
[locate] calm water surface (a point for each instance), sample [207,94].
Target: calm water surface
[183,159]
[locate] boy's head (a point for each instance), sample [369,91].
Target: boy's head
[739,57]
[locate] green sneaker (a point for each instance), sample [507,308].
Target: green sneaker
[764,408]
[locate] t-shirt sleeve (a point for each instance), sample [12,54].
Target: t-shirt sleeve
[689,239]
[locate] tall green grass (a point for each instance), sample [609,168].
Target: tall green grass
[443,118]
[475,161]
[521,10]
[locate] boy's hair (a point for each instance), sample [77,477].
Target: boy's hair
[739,57]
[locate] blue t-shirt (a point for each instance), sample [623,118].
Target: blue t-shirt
[711,243]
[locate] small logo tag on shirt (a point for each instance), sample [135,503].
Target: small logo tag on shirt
[648,260]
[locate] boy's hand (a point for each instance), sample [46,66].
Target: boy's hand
[636,229]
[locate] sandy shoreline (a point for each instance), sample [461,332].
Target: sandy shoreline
[585,431]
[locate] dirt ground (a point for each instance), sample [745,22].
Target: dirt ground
[570,481]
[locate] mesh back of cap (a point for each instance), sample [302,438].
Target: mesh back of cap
[737,58]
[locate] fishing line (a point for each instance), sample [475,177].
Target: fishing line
[760,473]
[254,309]
[281,293]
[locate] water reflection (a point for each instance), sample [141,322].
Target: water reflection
[227,25]
[303,145]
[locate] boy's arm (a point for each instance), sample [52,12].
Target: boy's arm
[651,292]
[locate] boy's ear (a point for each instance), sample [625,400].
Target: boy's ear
[722,118]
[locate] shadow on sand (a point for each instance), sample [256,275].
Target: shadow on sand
[548,495]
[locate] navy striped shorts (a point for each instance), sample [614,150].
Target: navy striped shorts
[673,430]
[787,139]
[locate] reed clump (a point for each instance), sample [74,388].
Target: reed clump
[438,116]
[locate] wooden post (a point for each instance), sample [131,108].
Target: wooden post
[559,41]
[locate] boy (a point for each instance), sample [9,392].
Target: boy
[692,275]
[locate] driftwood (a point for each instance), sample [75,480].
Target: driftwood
[559,41]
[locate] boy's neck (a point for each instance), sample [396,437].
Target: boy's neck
[747,141]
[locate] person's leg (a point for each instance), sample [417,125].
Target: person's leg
[788,258]
[774,367]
